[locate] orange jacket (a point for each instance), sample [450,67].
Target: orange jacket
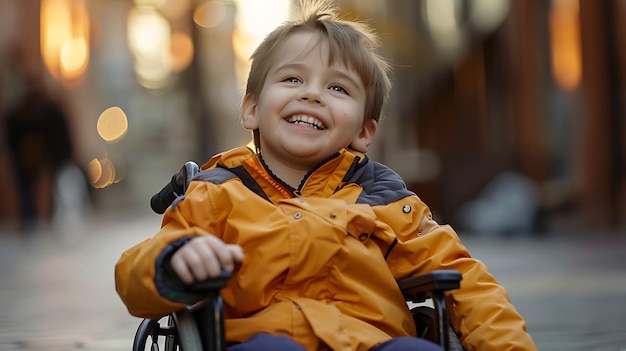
[321,262]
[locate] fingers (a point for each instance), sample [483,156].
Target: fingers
[179,265]
[203,258]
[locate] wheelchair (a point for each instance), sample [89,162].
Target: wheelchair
[200,327]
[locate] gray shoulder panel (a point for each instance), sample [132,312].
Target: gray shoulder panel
[381,185]
[216,175]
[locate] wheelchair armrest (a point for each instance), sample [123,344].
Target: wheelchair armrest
[420,287]
[433,285]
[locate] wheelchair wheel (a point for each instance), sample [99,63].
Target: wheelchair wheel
[187,331]
[171,341]
[424,318]
[150,333]
[144,331]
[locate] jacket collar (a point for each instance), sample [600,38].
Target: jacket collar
[322,180]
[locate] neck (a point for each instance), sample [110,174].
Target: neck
[290,175]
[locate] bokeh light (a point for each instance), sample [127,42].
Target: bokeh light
[105,170]
[149,35]
[486,15]
[112,124]
[565,43]
[181,50]
[254,20]
[94,171]
[64,26]
[209,14]
[442,18]
[73,57]
[175,9]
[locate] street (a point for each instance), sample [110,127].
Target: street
[58,293]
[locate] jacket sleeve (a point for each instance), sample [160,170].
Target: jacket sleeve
[481,312]
[142,279]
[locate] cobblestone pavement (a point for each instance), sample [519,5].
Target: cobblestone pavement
[57,291]
[571,291]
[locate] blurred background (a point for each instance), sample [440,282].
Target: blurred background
[507,117]
[490,97]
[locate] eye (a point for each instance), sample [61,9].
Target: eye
[291,80]
[339,89]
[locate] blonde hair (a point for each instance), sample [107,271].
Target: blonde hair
[349,40]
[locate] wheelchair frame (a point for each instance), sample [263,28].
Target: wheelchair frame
[200,327]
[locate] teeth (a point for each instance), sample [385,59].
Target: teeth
[304,119]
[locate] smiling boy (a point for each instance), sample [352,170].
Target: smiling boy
[307,109]
[314,234]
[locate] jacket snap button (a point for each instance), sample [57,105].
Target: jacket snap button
[333,216]
[406,208]
[297,215]
[363,237]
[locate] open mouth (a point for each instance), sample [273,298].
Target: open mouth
[307,120]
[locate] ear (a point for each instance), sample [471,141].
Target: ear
[247,113]
[362,141]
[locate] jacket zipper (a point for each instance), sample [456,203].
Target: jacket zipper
[298,191]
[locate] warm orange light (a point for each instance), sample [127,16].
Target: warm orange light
[101,173]
[565,43]
[209,14]
[112,124]
[174,9]
[107,177]
[74,55]
[94,171]
[253,21]
[73,58]
[55,30]
[181,47]
[64,26]
[105,171]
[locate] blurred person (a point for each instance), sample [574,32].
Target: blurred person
[314,234]
[38,141]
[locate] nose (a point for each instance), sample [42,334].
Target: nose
[311,93]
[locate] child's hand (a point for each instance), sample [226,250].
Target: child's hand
[203,257]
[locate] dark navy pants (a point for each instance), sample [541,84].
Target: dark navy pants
[267,342]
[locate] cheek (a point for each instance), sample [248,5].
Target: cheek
[271,103]
[352,120]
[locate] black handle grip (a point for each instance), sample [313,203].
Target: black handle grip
[177,186]
[215,284]
[164,198]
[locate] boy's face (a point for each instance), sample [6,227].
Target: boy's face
[308,109]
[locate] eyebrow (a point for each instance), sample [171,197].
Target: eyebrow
[340,73]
